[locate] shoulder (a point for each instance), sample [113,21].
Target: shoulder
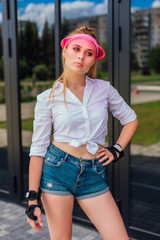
[44,98]
[100,83]
[44,94]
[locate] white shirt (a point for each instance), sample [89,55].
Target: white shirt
[81,122]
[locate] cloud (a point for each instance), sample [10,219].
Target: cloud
[37,13]
[40,12]
[156,4]
[101,8]
[134,9]
[77,9]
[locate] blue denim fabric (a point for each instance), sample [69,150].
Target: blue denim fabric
[64,174]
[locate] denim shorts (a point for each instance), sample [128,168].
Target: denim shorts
[64,174]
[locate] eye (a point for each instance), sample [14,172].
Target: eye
[76,49]
[89,54]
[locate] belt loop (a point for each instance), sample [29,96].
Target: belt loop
[93,162]
[65,157]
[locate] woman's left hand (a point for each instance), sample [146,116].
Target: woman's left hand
[107,156]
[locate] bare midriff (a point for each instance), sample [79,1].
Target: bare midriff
[80,152]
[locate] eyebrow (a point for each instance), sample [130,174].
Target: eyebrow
[81,46]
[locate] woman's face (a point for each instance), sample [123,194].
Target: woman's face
[80,55]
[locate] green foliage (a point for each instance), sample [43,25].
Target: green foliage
[41,72]
[29,45]
[138,77]
[102,64]
[102,75]
[24,68]
[154,58]
[45,44]
[1,45]
[149,128]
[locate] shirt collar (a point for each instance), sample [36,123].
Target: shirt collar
[60,81]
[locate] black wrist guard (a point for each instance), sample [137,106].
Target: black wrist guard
[30,211]
[33,195]
[113,149]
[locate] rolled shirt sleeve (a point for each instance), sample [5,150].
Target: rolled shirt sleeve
[42,126]
[119,108]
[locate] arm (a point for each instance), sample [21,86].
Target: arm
[127,117]
[125,137]
[40,142]
[35,172]
[127,133]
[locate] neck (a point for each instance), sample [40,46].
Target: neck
[75,80]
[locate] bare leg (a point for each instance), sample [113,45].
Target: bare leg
[104,214]
[58,211]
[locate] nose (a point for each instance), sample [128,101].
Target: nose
[81,55]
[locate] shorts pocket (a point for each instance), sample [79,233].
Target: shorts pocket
[53,160]
[99,168]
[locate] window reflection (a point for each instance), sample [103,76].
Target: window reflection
[145,99]
[4,184]
[36,63]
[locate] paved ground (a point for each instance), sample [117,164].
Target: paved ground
[13,226]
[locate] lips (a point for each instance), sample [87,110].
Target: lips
[78,64]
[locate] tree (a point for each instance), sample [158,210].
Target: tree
[103,63]
[52,53]
[1,46]
[154,58]
[30,45]
[41,72]
[45,44]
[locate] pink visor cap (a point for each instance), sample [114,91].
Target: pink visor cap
[100,51]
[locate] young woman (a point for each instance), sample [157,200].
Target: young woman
[73,164]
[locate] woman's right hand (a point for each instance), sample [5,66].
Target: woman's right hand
[37,225]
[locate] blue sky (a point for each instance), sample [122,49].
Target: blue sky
[40,10]
[142,3]
[134,3]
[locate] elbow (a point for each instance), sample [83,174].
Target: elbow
[136,123]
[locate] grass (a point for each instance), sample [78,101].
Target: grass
[26,125]
[135,77]
[144,78]
[149,124]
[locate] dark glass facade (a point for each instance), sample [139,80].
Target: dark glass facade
[30,62]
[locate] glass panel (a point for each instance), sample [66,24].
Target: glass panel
[36,63]
[4,184]
[145,99]
[93,14]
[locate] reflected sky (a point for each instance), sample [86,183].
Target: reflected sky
[39,10]
[145,3]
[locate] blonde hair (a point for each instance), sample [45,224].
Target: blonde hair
[91,73]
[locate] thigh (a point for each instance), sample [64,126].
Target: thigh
[58,211]
[104,214]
